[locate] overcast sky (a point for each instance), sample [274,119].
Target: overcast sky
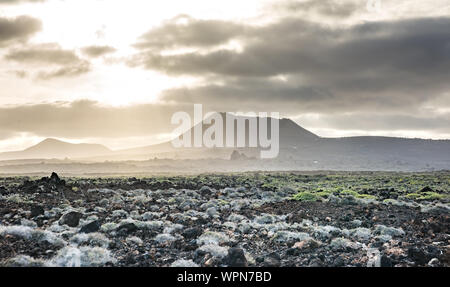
[114,71]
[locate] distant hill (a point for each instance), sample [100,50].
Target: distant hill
[291,135]
[52,148]
[300,149]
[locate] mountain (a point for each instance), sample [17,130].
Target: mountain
[300,149]
[52,148]
[291,135]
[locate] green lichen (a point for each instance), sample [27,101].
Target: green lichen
[426,196]
[306,196]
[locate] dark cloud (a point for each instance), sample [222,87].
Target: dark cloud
[184,31]
[43,54]
[18,29]
[62,63]
[98,51]
[253,95]
[382,65]
[293,46]
[292,98]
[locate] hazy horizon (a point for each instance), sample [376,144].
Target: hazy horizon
[170,138]
[114,72]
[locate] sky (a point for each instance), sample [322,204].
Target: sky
[114,71]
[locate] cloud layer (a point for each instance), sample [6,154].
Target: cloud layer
[332,65]
[63,63]
[309,66]
[98,51]
[18,29]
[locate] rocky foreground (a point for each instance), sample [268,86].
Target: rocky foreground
[227,220]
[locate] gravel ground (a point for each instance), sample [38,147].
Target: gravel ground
[234,220]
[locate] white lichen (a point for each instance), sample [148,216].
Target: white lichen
[32,234]
[285,236]
[164,238]
[184,263]
[90,239]
[340,244]
[215,250]
[109,227]
[23,261]
[81,257]
[133,240]
[211,237]
[361,233]
[391,231]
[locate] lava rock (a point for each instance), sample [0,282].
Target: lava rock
[338,262]
[293,252]
[385,261]
[3,190]
[127,228]
[94,226]
[192,233]
[419,255]
[36,210]
[205,191]
[236,258]
[55,178]
[426,189]
[72,219]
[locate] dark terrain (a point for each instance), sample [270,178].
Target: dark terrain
[247,219]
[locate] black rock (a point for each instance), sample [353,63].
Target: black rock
[236,258]
[385,261]
[192,232]
[3,190]
[426,189]
[205,190]
[127,228]
[435,227]
[54,177]
[37,210]
[191,245]
[338,262]
[418,255]
[72,219]
[293,252]
[94,226]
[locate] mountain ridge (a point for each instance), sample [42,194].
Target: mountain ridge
[51,148]
[297,146]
